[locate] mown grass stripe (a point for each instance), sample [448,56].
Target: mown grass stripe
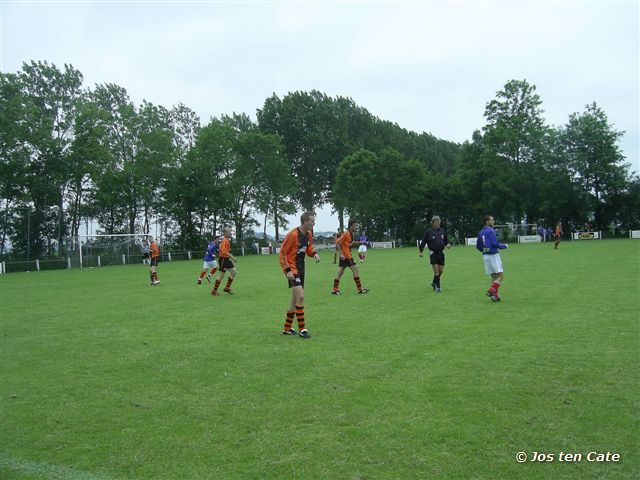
[46,470]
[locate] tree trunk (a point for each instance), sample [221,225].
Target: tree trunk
[76,219]
[264,227]
[5,222]
[276,219]
[60,242]
[145,226]
[215,224]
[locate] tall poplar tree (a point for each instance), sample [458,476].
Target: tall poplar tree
[595,161]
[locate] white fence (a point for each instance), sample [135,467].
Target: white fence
[471,242]
[383,244]
[324,246]
[634,234]
[529,239]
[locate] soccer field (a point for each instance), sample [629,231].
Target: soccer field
[104,377]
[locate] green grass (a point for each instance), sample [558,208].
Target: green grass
[105,377]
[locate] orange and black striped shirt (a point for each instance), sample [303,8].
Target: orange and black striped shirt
[294,248]
[154,250]
[225,248]
[345,245]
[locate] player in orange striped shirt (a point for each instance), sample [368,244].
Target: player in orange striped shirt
[558,235]
[297,244]
[227,262]
[336,248]
[154,251]
[346,259]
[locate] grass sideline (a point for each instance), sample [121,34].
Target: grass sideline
[104,377]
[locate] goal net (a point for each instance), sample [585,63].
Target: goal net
[87,251]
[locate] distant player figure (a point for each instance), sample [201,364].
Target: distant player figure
[210,261]
[435,238]
[346,260]
[297,244]
[336,248]
[227,262]
[558,235]
[146,257]
[362,249]
[154,252]
[488,244]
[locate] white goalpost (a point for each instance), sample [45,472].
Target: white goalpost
[103,249]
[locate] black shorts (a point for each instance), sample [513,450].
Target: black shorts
[347,262]
[296,281]
[145,255]
[226,264]
[437,258]
[154,261]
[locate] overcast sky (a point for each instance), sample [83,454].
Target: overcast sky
[427,66]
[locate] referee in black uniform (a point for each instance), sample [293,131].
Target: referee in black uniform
[435,238]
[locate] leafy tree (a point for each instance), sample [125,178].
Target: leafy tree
[241,170]
[86,160]
[515,145]
[154,155]
[51,96]
[140,149]
[115,202]
[384,191]
[594,160]
[196,192]
[313,129]
[14,153]
[403,184]
[626,204]
[185,125]
[515,128]
[356,184]
[274,182]
[68,154]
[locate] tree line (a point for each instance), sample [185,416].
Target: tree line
[74,155]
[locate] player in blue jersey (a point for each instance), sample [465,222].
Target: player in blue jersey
[488,244]
[210,261]
[362,249]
